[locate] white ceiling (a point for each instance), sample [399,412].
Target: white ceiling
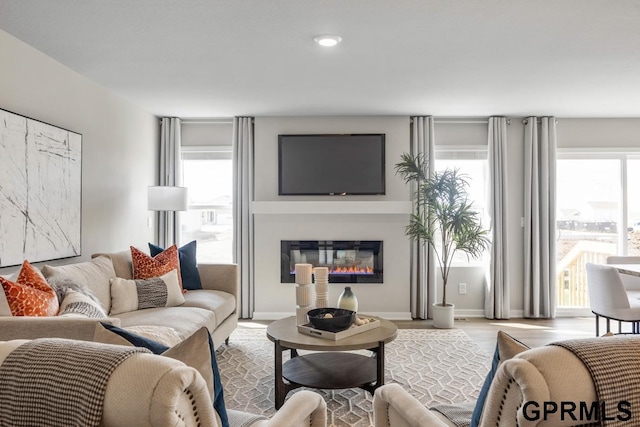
[447,58]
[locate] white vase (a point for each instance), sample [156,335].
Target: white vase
[348,300]
[443,316]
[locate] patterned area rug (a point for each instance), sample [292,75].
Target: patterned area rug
[435,366]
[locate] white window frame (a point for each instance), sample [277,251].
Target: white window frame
[622,155]
[468,152]
[205,152]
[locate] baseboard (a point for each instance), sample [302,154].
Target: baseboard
[459,314]
[271,315]
[463,313]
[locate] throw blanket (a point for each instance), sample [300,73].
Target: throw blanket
[458,414]
[614,365]
[57,382]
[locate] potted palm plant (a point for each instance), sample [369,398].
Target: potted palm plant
[443,219]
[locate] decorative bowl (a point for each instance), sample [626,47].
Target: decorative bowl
[331,319]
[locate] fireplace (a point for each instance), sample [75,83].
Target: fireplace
[348,261]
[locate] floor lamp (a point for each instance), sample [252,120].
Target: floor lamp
[166,201]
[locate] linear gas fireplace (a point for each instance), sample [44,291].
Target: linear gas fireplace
[348,261]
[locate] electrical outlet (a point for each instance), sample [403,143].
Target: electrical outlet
[462,288]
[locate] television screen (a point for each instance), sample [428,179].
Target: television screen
[331,164]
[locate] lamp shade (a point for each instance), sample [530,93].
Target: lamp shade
[163,198]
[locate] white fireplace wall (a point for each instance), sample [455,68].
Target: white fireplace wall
[330,217]
[274,299]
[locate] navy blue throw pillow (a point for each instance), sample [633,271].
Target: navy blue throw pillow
[188,264]
[159,348]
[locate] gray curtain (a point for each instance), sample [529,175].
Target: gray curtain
[170,175]
[540,217]
[423,261]
[242,217]
[496,301]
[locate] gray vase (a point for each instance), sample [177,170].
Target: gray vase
[348,300]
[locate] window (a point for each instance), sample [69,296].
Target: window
[598,214]
[471,162]
[208,174]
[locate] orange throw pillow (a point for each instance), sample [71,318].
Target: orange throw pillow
[30,294]
[147,267]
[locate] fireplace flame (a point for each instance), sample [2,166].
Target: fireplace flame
[351,270]
[347,270]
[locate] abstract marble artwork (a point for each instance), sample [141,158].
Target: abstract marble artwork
[40,190]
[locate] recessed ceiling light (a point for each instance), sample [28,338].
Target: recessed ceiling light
[327,39]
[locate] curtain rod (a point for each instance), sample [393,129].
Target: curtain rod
[525,121]
[225,121]
[464,122]
[460,122]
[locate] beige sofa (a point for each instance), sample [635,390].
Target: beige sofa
[214,306]
[544,374]
[149,390]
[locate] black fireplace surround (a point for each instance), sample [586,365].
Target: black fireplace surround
[348,261]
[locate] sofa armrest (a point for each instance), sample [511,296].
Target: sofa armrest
[536,376]
[220,277]
[149,390]
[303,409]
[393,406]
[28,327]
[145,390]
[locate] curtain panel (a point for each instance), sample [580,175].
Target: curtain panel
[496,302]
[423,261]
[243,238]
[540,217]
[170,175]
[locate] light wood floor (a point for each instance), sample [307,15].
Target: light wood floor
[532,332]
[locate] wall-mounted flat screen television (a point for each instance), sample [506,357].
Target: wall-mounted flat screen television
[339,164]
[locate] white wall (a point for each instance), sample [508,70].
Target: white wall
[206,132]
[274,299]
[392,296]
[119,143]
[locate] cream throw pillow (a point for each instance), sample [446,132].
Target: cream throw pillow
[94,275]
[130,294]
[77,304]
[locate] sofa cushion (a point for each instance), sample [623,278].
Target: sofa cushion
[162,334]
[147,267]
[185,320]
[188,264]
[222,304]
[506,348]
[196,351]
[77,304]
[30,294]
[94,274]
[130,295]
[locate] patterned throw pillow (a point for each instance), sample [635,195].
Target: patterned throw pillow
[147,267]
[30,294]
[188,264]
[129,295]
[77,304]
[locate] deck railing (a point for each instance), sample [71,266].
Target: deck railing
[572,276]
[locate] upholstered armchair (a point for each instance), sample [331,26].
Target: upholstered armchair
[551,377]
[143,390]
